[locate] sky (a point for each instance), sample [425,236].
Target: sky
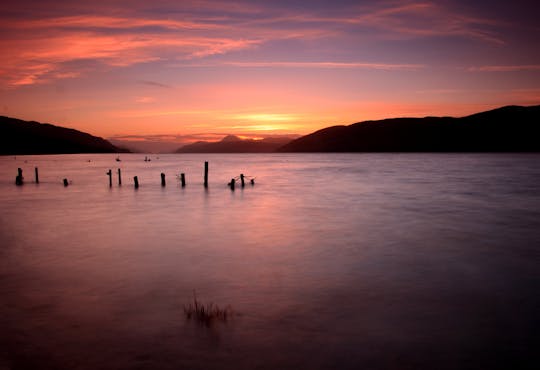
[191,70]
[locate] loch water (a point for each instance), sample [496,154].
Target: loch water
[329,261]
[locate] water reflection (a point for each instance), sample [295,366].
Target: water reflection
[329,261]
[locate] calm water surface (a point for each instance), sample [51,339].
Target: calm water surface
[331,261]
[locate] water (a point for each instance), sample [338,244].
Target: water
[345,261]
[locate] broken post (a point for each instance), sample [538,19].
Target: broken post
[109,173]
[205,174]
[119,178]
[37,175]
[66,182]
[242,179]
[19,178]
[232,183]
[136,180]
[162,179]
[183,179]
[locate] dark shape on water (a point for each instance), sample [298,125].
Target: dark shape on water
[66,183]
[19,178]
[109,173]
[183,179]
[162,179]
[37,175]
[231,184]
[205,174]
[206,314]
[242,179]
[119,178]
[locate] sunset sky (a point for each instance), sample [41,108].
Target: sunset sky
[201,69]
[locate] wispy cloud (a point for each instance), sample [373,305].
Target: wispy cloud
[506,68]
[200,31]
[38,47]
[381,66]
[155,84]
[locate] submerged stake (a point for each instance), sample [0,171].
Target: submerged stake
[205,174]
[109,173]
[19,178]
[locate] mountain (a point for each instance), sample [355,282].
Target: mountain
[29,137]
[233,144]
[145,146]
[506,129]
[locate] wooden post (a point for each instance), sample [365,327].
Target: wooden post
[119,177]
[66,182]
[183,179]
[19,178]
[232,183]
[136,180]
[162,179]
[37,175]
[242,179]
[109,173]
[252,181]
[205,174]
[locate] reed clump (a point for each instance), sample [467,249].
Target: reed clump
[206,314]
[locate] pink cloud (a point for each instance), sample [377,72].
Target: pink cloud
[380,66]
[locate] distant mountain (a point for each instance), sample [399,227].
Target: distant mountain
[233,144]
[506,129]
[145,146]
[29,137]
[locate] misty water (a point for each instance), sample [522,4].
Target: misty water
[343,261]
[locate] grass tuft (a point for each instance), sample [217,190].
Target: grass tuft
[206,314]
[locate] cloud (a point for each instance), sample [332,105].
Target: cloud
[34,44]
[380,66]
[506,68]
[155,84]
[40,46]
[145,99]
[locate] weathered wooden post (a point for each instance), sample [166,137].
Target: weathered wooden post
[162,179]
[252,181]
[19,178]
[183,179]
[109,173]
[119,177]
[136,180]
[242,179]
[37,175]
[232,183]
[205,174]
[66,182]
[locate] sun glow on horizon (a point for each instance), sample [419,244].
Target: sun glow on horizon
[206,67]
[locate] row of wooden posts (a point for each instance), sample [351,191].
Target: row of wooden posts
[19,179]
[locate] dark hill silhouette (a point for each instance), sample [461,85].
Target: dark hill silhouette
[29,137]
[233,144]
[506,129]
